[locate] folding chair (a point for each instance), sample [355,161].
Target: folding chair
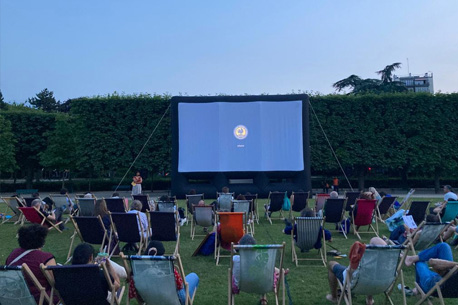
[274,204]
[82,284]
[377,273]
[166,206]
[192,200]
[418,210]
[129,229]
[299,203]
[406,199]
[231,230]
[364,216]
[61,201]
[320,200]
[254,199]
[13,203]
[307,230]
[384,207]
[257,270]
[244,206]
[90,229]
[146,202]
[451,211]
[155,280]
[203,216]
[334,211]
[425,235]
[14,288]
[164,226]
[116,205]
[444,289]
[225,202]
[28,201]
[351,199]
[33,215]
[86,206]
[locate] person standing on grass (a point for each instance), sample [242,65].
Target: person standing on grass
[137,184]
[335,184]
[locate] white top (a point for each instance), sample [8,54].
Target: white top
[144,222]
[450,195]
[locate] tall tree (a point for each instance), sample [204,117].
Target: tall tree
[3,105]
[386,74]
[45,101]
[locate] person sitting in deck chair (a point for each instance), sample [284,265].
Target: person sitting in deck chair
[55,216]
[135,208]
[307,212]
[399,235]
[440,259]
[340,272]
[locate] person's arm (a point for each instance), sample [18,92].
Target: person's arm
[114,275]
[140,180]
[441,266]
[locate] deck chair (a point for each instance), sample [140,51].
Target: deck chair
[257,270]
[203,216]
[364,216]
[155,280]
[320,200]
[378,271]
[406,199]
[299,203]
[451,211]
[14,289]
[192,200]
[428,233]
[90,229]
[33,215]
[307,231]
[231,230]
[86,206]
[13,204]
[61,201]
[244,206]
[126,226]
[116,205]
[334,211]
[274,204]
[81,284]
[254,199]
[418,211]
[444,289]
[166,206]
[28,201]
[164,226]
[225,202]
[146,202]
[351,199]
[384,207]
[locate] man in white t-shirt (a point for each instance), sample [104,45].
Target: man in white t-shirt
[448,196]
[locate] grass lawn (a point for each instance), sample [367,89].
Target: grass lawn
[308,283]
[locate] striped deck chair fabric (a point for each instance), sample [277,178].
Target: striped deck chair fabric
[428,232]
[13,204]
[164,226]
[308,230]
[203,216]
[14,289]
[116,205]
[451,211]
[378,269]
[225,202]
[257,269]
[231,230]
[86,206]
[418,210]
[365,214]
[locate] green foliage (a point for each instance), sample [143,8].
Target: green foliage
[7,160]
[110,131]
[45,101]
[3,104]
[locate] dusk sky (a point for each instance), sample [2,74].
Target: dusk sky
[87,48]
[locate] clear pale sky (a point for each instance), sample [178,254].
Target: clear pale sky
[86,48]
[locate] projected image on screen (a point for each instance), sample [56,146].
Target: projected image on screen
[242,136]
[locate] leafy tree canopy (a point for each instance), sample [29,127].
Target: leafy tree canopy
[3,104]
[45,101]
[7,151]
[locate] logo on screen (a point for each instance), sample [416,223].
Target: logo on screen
[240,132]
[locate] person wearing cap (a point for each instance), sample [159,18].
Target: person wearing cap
[340,272]
[449,195]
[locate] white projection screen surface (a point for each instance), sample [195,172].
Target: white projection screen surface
[240,136]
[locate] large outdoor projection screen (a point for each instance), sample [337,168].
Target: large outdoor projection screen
[248,143]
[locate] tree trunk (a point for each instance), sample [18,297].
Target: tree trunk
[437,184]
[29,178]
[361,178]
